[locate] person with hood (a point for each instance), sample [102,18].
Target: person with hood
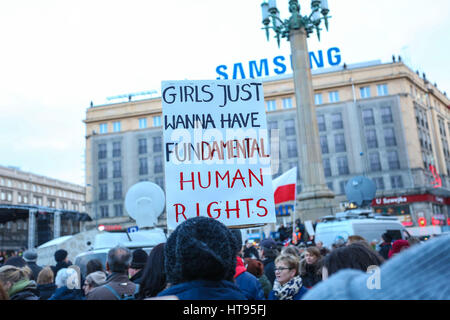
[68,285]
[397,247]
[288,284]
[93,280]
[311,267]
[200,262]
[268,252]
[244,280]
[256,268]
[45,283]
[16,281]
[62,261]
[385,246]
[137,265]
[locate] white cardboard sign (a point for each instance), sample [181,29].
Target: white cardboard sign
[216,152]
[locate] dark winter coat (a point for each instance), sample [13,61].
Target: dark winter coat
[65,293]
[46,290]
[24,290]
[311,274]
[205,290]
[137,278]
[269,269]
[35,269]
[247,282]
[119,282]
[384,250]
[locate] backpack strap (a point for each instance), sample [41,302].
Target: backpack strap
[114,292]
[136,290]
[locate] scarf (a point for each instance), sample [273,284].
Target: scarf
[240,267]
[289,289]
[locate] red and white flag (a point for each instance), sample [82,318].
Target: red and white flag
[285,186]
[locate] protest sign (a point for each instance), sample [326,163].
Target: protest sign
[217,159]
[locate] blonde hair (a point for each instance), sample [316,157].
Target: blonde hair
[290,260]
[45,276]
[14,274]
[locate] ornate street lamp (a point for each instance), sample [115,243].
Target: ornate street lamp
[314,200]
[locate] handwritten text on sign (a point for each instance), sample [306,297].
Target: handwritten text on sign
[217,158]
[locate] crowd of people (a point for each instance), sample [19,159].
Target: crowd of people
[203,259]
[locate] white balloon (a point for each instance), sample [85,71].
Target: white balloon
[144,202]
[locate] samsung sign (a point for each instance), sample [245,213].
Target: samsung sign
[276,66]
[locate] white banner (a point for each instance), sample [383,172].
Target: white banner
[217,160]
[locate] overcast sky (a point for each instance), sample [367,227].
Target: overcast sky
[57,56]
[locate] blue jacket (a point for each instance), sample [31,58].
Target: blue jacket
[250,286]
[65,293]
[205,290]
[298,296]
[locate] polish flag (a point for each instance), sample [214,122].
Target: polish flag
[285,186]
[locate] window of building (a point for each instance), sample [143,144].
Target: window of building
[365,92]
[101,155]
[321,123]
[158,165]
[327,167]
[389,137]
[342,163]
[368,117]
[382,89]
[102,170]
[118,210]
[103,191]
[103,128]
[330,185]
[157,144]
[117,190]
[324,144]
[142,146]
[117,149]
[142,123]
[143,166]
[117,126]
[374,162]
[3,195]
[156,121]
[371,138]
[393,160]
[289,126]
[336,120]
[396,182]
[342,186]
[318,99]
[339,142]
[287,103]
[379,182]
[386,115]
[160,182]
[271,105]
[117,169]
[104,212]
[333,96]
[292,147]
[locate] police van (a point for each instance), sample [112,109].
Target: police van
[334,229]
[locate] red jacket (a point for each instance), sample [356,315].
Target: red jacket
[398,246]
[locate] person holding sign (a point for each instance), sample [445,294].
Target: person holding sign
[200,261]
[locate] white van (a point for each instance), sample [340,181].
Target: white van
[142,239]
[357,222]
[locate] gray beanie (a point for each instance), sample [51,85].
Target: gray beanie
[30,256]
[200,249]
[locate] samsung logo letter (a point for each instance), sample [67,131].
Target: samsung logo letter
[278,65]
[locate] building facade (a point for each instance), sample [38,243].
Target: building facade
[21,192]
[381,120]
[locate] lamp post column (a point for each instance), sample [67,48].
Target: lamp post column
[315,195]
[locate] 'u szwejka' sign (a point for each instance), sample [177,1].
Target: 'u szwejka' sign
[217,160]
